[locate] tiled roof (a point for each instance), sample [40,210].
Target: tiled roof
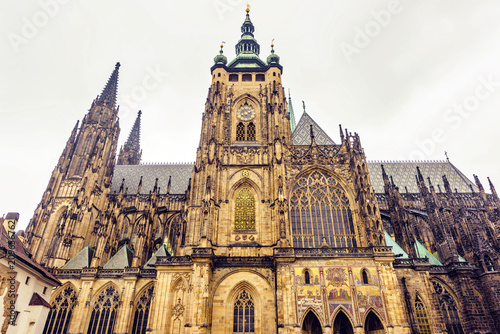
[423,252]
[80,260]
[122,259]
[37,300]
[162,251]
[132,174]
[23,255]
[302,133]
[403,174]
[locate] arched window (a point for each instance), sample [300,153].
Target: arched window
[86,144]
[319,208]
[449,309]
[307,277]
[102,319]
[251,132]
[244,311]
[60,313]
[488,263]
[422,319]
[240,132]
[365,277]
[142,312]
[79,166]
[244,213]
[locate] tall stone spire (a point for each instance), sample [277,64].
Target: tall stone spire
[130,153]
[290,111]
[108,95]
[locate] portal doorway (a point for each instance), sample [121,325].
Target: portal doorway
[311,324]
[373,325]
[342,325]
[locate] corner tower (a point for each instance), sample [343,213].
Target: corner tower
[72,203]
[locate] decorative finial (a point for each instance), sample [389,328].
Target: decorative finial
[222,45]
[446,155]
[304,106]
[248,8]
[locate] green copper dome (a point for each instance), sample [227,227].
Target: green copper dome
[220,58]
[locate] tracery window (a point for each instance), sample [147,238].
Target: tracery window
[449,309]
[244,312]
[102,319]
[319,208]
[422,319]
[142,312]
[60,313]
[79,166]
[244,213]
[240,132]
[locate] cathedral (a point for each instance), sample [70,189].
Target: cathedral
[275,228]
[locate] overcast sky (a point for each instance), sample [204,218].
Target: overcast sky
[413,78]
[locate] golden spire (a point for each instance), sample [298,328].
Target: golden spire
[248,7]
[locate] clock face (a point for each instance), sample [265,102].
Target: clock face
[245,113]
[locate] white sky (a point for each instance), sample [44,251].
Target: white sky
[398,86]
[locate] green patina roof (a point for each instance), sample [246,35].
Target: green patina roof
[423,252]
[121,260]
[395,247]
[80,260]
[162,251]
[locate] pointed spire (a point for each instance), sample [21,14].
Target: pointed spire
[108,95]
[342,136]
[492,188]
[131,152]
[169,184]
[312,135]
[290,111]
[478,183]
[446,184]
[304,106]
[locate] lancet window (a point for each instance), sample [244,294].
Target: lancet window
[244,213]
[449,309]
[244,313]
[142,312]
[320,212]
[422,318]
[102,319]
[61,311]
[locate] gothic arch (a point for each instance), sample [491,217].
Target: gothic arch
[372,322]
[63,301]
[142,305]
[422,313]
[449,306]
[321,210]
[308,326]
[339,311]
[241,179]
[240,100]
[226,291]
[104,309]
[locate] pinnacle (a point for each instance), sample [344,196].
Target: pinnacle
[108,95]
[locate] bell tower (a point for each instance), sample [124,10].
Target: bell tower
[237,198]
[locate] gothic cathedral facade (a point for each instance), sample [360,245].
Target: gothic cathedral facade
[274,229]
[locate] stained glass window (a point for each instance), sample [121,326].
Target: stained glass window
[244,312]
[102,319]
[422,319]
[320,211]
[449,309]
[244,213]
[142,312]
[60,313]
